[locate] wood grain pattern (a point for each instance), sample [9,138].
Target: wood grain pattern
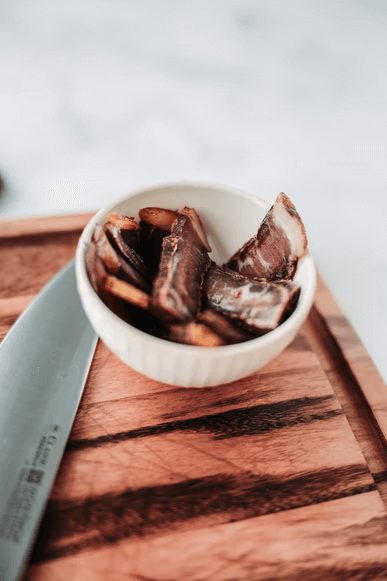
[48,225]
[260,479]
[332,541]
[356,357]
[350,393]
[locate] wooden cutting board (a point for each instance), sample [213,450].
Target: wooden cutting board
[279,476]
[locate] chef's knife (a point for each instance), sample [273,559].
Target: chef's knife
[44,363]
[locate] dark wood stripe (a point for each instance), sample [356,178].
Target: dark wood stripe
[212,399]
[374,571]
[380,476]
[191,503]
[232,423]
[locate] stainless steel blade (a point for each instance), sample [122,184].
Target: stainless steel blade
[44,363]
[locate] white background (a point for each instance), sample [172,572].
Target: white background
[100,96]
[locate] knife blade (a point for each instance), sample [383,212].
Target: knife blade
[44,363]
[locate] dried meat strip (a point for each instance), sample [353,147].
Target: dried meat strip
[197,225]
[128,228]
[115,263]
[209,330]
[116,239]
[178,283]
[257,306]
[161,218]
[194,333]
[94,266]
[126,291]
[279,244]
[155,224]
[97,275]
[151,242]
[223,327]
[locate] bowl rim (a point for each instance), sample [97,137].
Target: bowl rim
[295,320]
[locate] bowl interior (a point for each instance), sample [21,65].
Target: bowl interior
[230,219]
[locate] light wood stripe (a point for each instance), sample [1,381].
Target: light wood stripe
[49,225]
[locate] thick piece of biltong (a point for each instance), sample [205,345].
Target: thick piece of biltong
[98,276]
[210,329]
[151,243]
[279,244]
[131,304]
[197,225]
[115,263]
[94,265]
[128,227]
[178,283]
[155,225]
[161,218]
[194,333]
[223,327]
[126,291]
[258,306]
[126,245]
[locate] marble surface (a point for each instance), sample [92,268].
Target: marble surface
[98,97]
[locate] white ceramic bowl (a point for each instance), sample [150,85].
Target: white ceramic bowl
[231,217]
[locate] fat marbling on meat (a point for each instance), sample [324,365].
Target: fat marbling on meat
[258,306]
[279,244]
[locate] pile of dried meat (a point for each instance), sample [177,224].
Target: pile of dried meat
[157,275]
